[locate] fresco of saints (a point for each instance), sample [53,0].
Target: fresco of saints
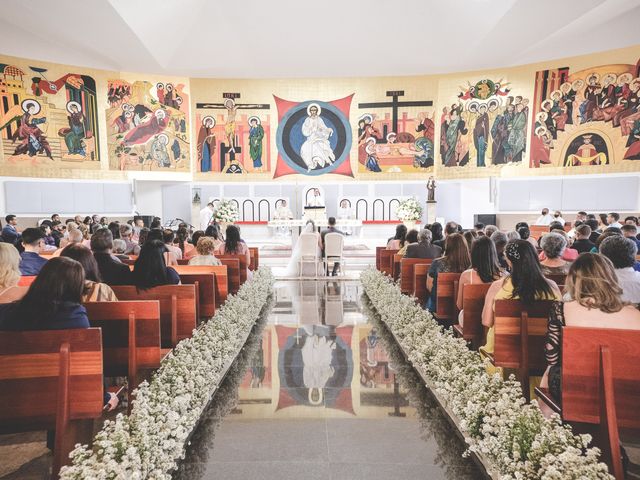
[230,126]
[453,129]
[587,154]
[159,151]
[316,150]
[256,135]
[75,134]
[206,144]
[33,140]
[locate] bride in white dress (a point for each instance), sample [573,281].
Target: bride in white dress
[293,268]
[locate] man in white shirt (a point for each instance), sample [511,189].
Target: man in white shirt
[622,253]
[612,220]
[206,216]
[545,219]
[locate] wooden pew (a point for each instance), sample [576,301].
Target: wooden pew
[601,385]
[407,266]
[183,261]
[200,273]
[446,309]
[130,337]
[52,380]
[473,297]
[177,309]
[386,261]
[420,272]
[236,269]
[520,336]
[26,280]
[378,255]
[395,266]
[537,231]
[255,258]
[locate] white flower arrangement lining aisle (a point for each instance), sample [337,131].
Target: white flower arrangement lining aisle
[149,442]
[512,438]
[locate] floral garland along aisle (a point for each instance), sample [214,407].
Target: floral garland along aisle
[149,442]
[513,437]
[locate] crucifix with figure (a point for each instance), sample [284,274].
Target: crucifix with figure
[395,104]
[229,104]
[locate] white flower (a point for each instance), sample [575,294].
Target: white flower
[409,210]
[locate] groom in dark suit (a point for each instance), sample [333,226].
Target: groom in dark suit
[331,229]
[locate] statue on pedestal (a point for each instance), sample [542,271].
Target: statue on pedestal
[431,190]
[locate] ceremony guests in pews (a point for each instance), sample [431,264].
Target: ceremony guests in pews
[73,237]
[150,269]
[182,241]
[595,299]
[470,236]
[582,243]
[397,241]
[9,273]
[10,232]
[112,270]
[168,237]
[525,282]
[449,229]
[423,248]
[613,220]
[525,234]
[484,268]
[233,245]
[595,229]
[126,234]
[119,247]
[551,259]
[410,239]
[95,290]
[500,241]
[631,231]
[437,234]
[30,260]
[213,231]
[490,230]
[205,252]
[142,236]
[622,253]
[192,252]
[456,259]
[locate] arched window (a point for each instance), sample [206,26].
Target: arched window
[248,211]
[393,205]
[362,209]
[264,210]
[378,209]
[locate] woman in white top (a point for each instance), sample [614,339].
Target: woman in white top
[205,248]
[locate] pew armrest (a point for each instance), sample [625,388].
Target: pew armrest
[457,330]
[545,395]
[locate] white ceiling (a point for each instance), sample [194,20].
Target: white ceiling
[327,38]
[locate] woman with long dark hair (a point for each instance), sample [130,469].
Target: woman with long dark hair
[456,259]
[398,240]
[192,250]
[95,290]
[213,231]
[485,267]
[150,269]
[142,236]
[233,245]
[525,283]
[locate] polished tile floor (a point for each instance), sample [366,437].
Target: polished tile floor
[321,391]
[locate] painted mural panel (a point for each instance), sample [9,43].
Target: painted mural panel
[396,135]
[148,125]
[586,119]
[48,120]
[485,128]
[233,137]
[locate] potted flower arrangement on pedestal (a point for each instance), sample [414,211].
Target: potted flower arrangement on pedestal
[226,214]
[409,212]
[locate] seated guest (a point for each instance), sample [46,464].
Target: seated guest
[182,241]
[500,241]
[150,269]
[126,234]
[479,228]
[112,270]
[449,229]
[9,273]
[484,268]
[114,227]
[424,248]
[168,237]
[9,231]
[213,231]
[612,220]
[622,253]
[155,223]
[610,232]
[595,230]
[48,239]
[556,226]
[604,221]
[234,246]
[142,236]
[557,217]
[490,230]
[525,234]
[73,237]
[630,231]
[582,243]
[57,232]
[456,259]
[205,248]
[158,234]
[596,301]
[553,246]
[53,302]
[569,253]
[95,290]
[525,283]
[631,220]
[119,246]
[31,262]
[436,234]
[192,252]
[470,236]
[512,235]
[410,239]
[138,224]
[397,242]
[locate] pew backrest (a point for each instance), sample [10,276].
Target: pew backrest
[255,258]
[395,267]
[236,270]
[177,309]
[191,274]
[581,373]
[378,255]
[386,261]
[473,296]
[446,290]
[407,267]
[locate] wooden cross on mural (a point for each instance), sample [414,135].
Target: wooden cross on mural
[395,104]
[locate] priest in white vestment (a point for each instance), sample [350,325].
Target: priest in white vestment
[316,150]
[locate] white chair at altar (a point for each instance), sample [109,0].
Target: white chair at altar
[333,251]
[308,243]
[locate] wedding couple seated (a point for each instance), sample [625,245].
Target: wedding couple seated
[320,250]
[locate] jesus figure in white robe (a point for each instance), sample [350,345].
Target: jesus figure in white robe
[316,150]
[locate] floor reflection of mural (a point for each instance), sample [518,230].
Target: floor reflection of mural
[586,118]
[48,123]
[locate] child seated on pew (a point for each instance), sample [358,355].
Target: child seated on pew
[9,273]
[595,300]
[95,290]
[150,269]
[53,302]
